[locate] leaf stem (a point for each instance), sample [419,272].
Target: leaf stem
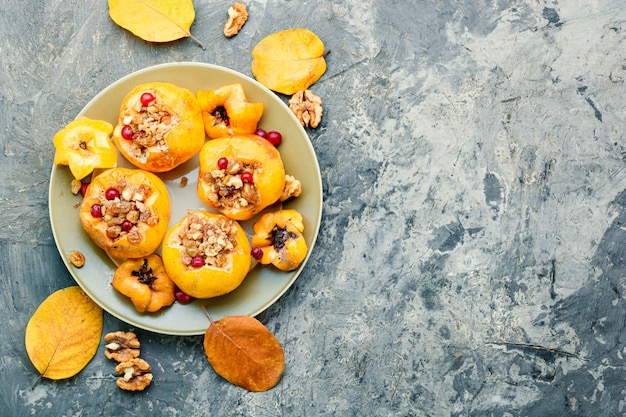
[37,381]
[197,41]
[207,314]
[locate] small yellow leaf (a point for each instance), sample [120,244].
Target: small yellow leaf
[288,61]
[63,334]
[154,20]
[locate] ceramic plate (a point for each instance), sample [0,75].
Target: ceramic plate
[263,285]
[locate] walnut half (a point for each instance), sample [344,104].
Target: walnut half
[237,17]
[293,188]
[121,346]
[307,107]
[77,258]
[136,375]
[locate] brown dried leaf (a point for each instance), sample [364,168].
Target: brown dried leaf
[63,334]
[244,352]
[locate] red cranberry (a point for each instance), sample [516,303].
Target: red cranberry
[111,194]
[222,163]
[127,132]
[261,132]
[126,225]
[182,297]
[257,253]
[96,210]
[247,177]
[147,98]
[197,261]
[83,188]
[274,137]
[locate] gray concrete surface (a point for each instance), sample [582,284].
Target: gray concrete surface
[471,258]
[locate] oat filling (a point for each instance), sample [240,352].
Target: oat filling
[146,126]
[213,239]
[229,190]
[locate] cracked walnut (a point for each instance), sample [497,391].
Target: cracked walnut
[237,17]
[307,107]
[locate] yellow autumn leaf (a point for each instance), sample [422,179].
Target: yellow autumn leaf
[63,334]
[288,61]
[154,20]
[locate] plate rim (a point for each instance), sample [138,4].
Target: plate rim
[316,221]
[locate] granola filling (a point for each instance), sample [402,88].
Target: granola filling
[213,239]
[150,125]
[123,213]
[229,191]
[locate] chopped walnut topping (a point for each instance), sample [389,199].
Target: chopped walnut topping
[150,125]
[77,258]
[130,205]
[229,191]
[75,186]
[212,239]
[121,346]
[307,107]
[136,375]
[293,188]
[237,17]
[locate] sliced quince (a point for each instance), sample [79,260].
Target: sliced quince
[226,111]
[85,144]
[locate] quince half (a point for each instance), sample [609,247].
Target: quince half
[85,144]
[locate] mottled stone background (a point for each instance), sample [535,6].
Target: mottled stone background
[470,260]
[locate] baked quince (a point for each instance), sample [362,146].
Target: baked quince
[206,254]
[85,144]
[126,212]
[240,175]
[227,112]
[279,240]
[159,127]
[145,282]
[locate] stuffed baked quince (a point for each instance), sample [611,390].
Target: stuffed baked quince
[240,175]
[206,254]
[159,127]
[126,212]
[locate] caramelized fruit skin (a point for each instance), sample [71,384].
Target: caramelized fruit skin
[182,142]
[226,111]
[145,238]
[145,282]
[206,281]
[280,237]
[269,179]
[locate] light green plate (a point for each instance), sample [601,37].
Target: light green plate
[263,285]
